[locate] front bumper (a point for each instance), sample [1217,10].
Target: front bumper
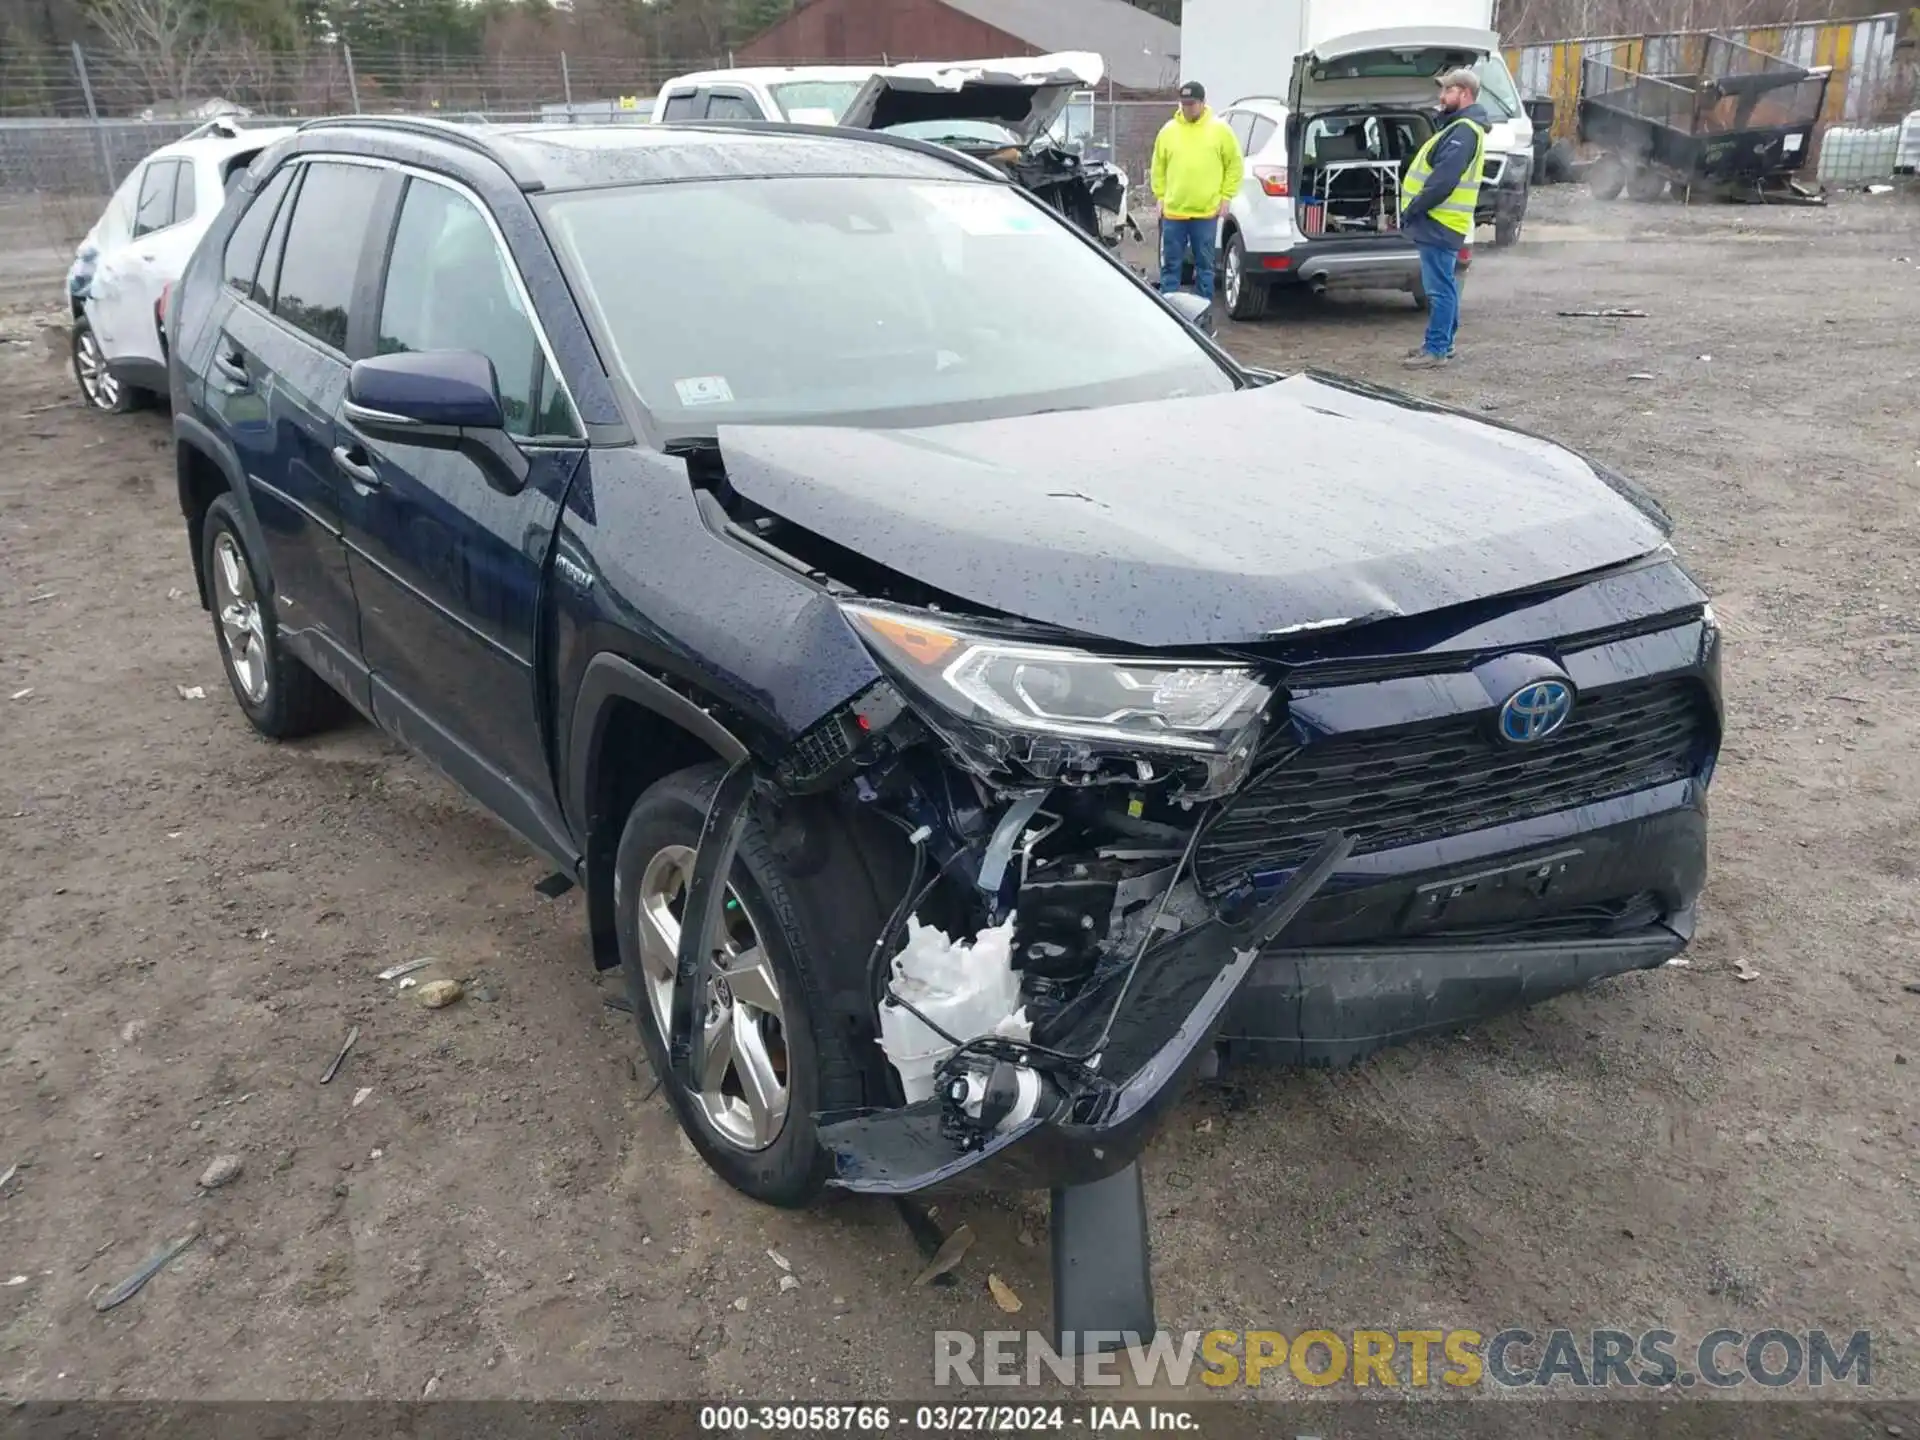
[1506,201]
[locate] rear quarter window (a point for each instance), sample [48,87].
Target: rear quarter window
[241,264]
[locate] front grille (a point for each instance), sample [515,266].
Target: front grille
[1419,782]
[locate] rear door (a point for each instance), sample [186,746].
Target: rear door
[281,358]
[450,572]
[120,299]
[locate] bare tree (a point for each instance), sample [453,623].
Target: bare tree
[164,41]
[1524,21]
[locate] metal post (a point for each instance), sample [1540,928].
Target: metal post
[353,81]
[93,114]
[566,86]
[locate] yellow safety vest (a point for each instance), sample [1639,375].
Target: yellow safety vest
[1456,211]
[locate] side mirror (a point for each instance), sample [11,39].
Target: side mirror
[438,400]
[1195,311]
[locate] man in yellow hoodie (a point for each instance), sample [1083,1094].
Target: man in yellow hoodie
[1197,168]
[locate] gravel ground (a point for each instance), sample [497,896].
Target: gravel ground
[191,920]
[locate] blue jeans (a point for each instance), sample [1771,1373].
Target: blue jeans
[1175,237]
[1437,265]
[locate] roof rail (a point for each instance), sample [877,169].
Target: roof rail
[927,148]
[1270,99]
[464,136]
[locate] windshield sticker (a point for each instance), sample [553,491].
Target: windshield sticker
[812,115]
[981,209]
[704,390]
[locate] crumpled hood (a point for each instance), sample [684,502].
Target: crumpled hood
[1024,94]
[1225,519]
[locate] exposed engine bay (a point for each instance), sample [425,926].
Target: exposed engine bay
[1005,113]
[1060,947]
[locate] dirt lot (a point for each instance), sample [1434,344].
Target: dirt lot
[191,920]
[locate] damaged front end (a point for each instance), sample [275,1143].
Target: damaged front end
[1054,799]
[1089,192]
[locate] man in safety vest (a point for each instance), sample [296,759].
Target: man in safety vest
[1197,169]
[1437,197]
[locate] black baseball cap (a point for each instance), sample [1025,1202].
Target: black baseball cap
[1193,90]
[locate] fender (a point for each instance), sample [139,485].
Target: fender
[201,437]
[610,677]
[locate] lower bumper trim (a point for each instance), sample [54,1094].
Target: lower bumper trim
[1333,1008]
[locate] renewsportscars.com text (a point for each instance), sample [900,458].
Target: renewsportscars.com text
[1418,1359]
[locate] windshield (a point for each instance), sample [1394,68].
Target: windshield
[1497,90]
[856,300]
[950,132]
[808,101]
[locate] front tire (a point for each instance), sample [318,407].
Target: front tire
[1607,177]
[1506,232]
[280,697]
[774,1060]
[1246,297]
[98,385]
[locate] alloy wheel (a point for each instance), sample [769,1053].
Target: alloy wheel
[238,607]
[744,1087]
[96,380]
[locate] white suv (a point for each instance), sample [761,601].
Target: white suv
[117,286]
[1319,204]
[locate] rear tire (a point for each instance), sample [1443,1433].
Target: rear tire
[1646,185]
[98,386]
[1607,177]
[280,696]
[1507,232]
[792,1040]
[1246,297]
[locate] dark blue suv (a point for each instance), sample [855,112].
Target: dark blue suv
[970,701]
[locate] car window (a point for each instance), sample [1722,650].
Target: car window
[1263,129]
[268,280]
[449,286]
[679,106]
[155,208]
[183,196]
[926,301]
[116,223]
[241,263]
[1241,123]
[732,107]
[813,102]
[330,218]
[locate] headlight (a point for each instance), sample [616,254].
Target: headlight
[1108,703]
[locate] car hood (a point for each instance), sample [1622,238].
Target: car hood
[1025,94]
[1307,503]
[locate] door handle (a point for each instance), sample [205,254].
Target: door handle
[231,363]
[353,463]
